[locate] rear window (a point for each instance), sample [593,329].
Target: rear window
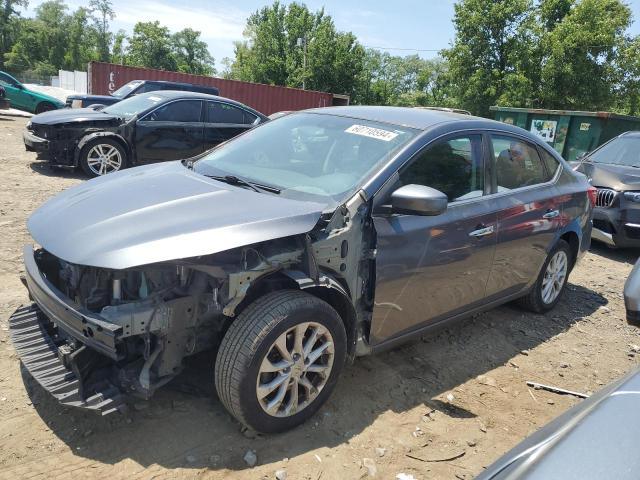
[551,163]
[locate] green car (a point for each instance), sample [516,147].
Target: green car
[22,98]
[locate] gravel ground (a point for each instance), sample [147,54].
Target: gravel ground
[443,407]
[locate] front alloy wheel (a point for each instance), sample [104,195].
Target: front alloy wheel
[103,159]
[102,156]
[295,369]
[280,360]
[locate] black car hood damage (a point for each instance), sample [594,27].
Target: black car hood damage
[161,212]
[617,177]
[72,115]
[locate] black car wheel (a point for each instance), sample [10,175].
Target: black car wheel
[102,156]
[552,280]
[280,360]
[45,107]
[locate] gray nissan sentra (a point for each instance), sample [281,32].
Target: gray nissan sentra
[290,250]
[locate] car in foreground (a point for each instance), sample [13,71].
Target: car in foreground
[595,439]
[309,240]
[135,87]
[21,98]
[148,128]
[614,169]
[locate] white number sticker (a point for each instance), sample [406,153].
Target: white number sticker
[370,132]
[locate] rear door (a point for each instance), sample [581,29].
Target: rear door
[529,217]
[172,131]
[431,268]
[224,121]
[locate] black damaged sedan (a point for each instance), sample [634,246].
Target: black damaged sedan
[147,128]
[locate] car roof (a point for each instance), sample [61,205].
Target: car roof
[418,118]
[175,94]
[165,82]
[631,133]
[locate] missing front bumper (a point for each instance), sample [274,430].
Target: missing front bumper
[31,333]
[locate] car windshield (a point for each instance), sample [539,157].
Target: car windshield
[314,156]
[620,151]
[126,89]
[129,107]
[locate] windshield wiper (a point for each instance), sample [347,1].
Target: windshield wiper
[233,180]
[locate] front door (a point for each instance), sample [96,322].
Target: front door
[530,215]
[171,132]
[431,268]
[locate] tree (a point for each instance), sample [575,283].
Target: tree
[150,46]
[103,9]
[8,21]
[292,46]
[490,36]
[192,54]
[119,48]
[579,68]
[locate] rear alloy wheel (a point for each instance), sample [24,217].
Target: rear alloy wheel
[102,156]
[280,360]
[552,280]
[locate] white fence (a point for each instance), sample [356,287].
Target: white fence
[76,81]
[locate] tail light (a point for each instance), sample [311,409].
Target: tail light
[592,192]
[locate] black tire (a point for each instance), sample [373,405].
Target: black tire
[249,340]
[533,300]
[45,107]
[108,143]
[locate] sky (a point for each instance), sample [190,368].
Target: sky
[400,27]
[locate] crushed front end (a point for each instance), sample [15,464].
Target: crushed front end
[94,336]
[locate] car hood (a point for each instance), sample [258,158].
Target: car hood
[71,115]
[617,177]
[161,212]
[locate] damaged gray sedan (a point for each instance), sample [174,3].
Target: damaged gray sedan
[295,247]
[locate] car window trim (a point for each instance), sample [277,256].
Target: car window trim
[549,182]
[144,118]
[444,137]
[244,110]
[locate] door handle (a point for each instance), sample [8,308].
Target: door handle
[551,214]
[482,232]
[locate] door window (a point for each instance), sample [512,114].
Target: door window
[225,113]
[551,163]
[455,167]
[517,163]
[7,81]
[180,111]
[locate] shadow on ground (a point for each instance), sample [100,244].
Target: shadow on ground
[45,168]
[185,426]
[625,255]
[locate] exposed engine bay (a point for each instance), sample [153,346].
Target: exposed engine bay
[167,311]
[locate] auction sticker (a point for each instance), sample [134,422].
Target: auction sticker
[371,132]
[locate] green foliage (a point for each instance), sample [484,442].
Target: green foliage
[557,54]
[292,46]
[150,46]
[192,54]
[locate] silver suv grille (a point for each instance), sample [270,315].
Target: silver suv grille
[605,197]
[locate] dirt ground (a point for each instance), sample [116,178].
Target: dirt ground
[441,407]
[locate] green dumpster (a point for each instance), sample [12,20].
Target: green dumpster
[571,133]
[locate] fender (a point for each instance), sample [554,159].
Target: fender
[91,136]
[345,308]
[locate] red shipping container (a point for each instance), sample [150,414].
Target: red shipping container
[105,78]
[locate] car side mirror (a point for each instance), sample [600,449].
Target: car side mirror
[418,200]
